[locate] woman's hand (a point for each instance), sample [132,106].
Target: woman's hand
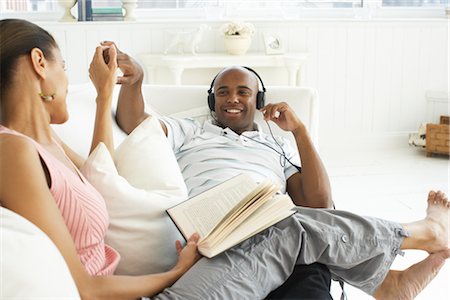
[187,255]
[103,74]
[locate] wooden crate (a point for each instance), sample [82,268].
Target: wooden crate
[438,137]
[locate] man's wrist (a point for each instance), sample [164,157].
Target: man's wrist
[299,130]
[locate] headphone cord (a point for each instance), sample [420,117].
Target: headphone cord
[282,153]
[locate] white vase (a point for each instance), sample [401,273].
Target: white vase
[129,6]
[236,44]
[67,5]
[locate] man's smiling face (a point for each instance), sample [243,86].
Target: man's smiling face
[235,91]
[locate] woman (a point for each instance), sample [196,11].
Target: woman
[67,208]
[33,92]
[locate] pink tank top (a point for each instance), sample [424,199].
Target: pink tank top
[83,210]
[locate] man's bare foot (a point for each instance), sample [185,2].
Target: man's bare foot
[432,233]
[438,219]
[407,284]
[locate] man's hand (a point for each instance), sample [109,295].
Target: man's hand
[282,115]
[132,71]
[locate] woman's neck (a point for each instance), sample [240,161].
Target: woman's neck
[24,112]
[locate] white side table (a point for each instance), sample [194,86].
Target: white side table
[178,63]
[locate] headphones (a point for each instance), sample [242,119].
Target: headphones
[260,96]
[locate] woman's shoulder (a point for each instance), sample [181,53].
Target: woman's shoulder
[15,147]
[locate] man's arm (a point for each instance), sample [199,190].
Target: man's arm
[311,188]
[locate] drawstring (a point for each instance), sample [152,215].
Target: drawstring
[341,283]
[343,294]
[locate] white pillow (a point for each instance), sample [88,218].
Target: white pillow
[200,114]
[31,266]
[147,161]
[140,229]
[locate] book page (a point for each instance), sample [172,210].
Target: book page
[234,220]
[276,209]
[203,212]
[243,204]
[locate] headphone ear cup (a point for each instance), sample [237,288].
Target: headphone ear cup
[211,101]
[260,100]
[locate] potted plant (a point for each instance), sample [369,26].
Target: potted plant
[237,37]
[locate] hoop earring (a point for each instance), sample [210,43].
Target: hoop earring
[47,98]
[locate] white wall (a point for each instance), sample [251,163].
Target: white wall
[372,75]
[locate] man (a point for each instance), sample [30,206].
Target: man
[231,144]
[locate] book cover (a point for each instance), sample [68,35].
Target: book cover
[107,10]
[88,8]
[84,10]
[81,10]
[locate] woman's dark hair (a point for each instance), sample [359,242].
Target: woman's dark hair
[17,38]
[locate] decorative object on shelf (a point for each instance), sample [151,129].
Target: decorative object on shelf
[236,44]
[67,5]
[129,6]
[273,43]
[187,40]
[237,37]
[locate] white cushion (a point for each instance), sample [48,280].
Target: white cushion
[200,114]
[140,229]
[147,161]
[31,265]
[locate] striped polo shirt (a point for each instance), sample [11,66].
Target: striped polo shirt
[208,155]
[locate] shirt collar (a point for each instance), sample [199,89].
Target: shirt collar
[209,126]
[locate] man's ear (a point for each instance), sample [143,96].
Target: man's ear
[38,62]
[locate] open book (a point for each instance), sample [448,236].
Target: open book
[230,213]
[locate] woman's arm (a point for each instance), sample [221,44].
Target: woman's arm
[103,76]
[32,200]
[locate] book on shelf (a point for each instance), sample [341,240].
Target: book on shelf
[84,10]
[106,18]
[107,11]
[230,213]
[107,14]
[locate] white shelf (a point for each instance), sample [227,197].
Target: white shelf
[178,63]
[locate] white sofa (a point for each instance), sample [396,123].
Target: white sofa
[31,266]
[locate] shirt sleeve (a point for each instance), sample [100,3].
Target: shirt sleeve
[179,131]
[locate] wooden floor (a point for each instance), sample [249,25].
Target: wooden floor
[391,184]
